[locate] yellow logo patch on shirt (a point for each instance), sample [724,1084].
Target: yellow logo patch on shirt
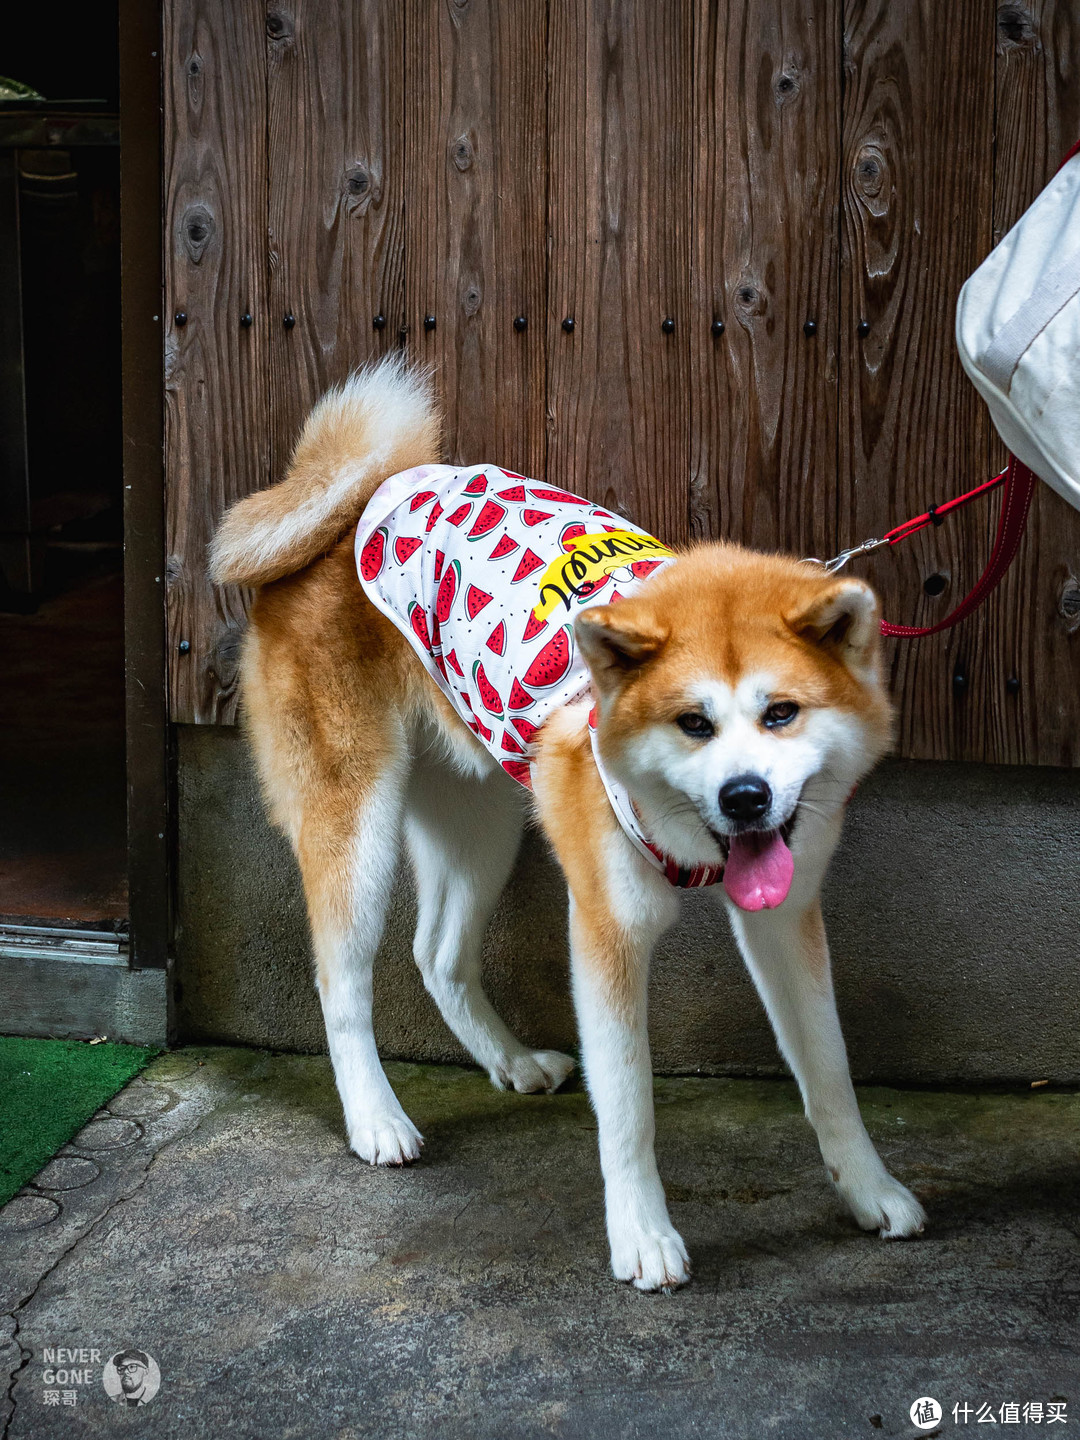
[588,560]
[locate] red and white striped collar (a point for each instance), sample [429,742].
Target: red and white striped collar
[681,876]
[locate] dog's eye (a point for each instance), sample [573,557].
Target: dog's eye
[696,725]
[781,712]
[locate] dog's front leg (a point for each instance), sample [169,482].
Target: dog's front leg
[788,957]
[610,975]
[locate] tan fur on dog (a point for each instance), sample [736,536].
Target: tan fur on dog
[382,420]
[356,747]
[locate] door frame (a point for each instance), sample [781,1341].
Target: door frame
[149,763]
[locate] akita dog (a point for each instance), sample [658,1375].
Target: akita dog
[679,718]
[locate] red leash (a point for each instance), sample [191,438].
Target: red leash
[1018,483]
[1019,486]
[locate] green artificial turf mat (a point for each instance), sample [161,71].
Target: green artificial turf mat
[48,1091]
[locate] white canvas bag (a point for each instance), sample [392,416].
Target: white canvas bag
[1018,332]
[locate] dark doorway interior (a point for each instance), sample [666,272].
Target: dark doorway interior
[62,762]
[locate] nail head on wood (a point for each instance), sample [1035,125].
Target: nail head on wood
[568,324]
[289,321]
[1012,685]
[245,320]
[180,318]
[667,325]
[716,329]
[863,329]
[379,322]
[520,322]
[429,322]
[184,647]
[810,329]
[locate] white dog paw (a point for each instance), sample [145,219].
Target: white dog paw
[533,1071]
[886,1206]
[386,1140]
[654,1259]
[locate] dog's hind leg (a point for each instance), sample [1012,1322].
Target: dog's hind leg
[348,845]
[788,957]
[463,836]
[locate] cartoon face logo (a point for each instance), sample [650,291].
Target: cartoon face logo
[131,1378]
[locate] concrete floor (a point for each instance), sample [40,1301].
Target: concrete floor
[213,1217]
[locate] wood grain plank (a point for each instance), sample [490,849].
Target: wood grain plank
[476,85]
[216,423]
[619,214]
[767,84]
[336,178]
[1033,619]
[917,166]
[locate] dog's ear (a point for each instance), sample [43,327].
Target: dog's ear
[843,617]
[616,640]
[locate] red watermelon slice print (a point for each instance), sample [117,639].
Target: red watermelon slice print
[588,590]
[520,699]
[515,494]
[510,743]
[419,501]
[476,486]
[436,511]
[460,515]
[454,663]
[373,555]
[419,623]
[640,568]
[533,628]
[518,770]
[553,662]
[406,545]
[481,729]
[570,532]
[535,517]
[475,600]
[526,565]
[497,639]
[506,546]
[558,497]
[489,696]
[447,593]
[440,561]
[525,728]
[489,517]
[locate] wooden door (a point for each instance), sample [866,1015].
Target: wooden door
[757,216]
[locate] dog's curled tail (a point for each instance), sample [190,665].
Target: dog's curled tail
[382,420]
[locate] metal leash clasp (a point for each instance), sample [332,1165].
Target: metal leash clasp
[839,561]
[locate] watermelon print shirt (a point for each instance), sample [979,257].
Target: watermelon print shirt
[484,571]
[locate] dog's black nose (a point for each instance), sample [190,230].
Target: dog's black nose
[747,797]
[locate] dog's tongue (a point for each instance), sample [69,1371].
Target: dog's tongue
[758,872]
